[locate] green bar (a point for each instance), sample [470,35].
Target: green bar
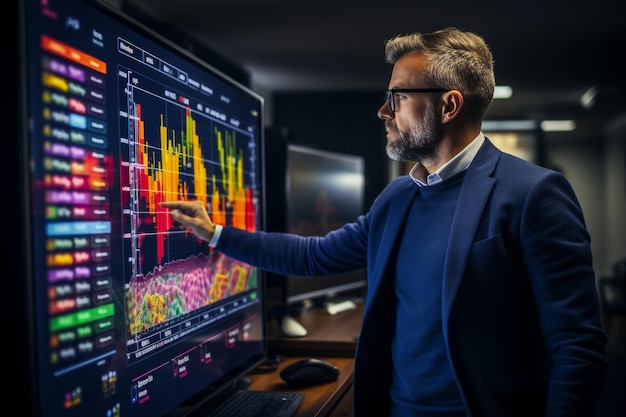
[81,317]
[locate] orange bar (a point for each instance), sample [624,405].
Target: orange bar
[59,48]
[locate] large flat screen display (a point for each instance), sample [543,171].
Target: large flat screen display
[130,316]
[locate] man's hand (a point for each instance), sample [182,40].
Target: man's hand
[192,214]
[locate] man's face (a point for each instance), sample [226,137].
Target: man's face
[414,129]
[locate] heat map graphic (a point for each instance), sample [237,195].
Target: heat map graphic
[176,153]
[183,286]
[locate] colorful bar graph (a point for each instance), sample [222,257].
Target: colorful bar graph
[174,154]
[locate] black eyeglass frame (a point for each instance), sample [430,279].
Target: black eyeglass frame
[392,102]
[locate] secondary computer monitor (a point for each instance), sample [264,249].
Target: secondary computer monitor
[128,315]
[325,190]
[311,191]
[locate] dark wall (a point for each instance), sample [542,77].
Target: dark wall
[340,122]
[175,35]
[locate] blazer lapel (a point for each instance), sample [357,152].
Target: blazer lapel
[396,215]
[477,186]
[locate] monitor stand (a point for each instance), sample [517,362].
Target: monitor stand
[291,328]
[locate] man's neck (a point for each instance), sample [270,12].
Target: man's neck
[450,146]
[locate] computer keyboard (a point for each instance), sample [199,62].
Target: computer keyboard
[246,403]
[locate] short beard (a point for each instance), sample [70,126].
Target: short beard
[419,143]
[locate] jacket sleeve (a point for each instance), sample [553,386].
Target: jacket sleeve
[341,250]
[556,247]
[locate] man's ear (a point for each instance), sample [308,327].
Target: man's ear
[452,103]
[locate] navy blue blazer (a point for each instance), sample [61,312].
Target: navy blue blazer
[521,316]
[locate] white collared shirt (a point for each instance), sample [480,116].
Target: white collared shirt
[459,163]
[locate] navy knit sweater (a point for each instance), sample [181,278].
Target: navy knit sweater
[422,383]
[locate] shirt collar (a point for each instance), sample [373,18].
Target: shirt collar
[459,163]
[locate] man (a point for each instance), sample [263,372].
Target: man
[481,291]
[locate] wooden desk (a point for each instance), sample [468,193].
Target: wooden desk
[331,399]
[328,335]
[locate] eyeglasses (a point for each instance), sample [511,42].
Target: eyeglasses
[390,94]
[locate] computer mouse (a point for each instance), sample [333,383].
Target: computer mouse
[309,371]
